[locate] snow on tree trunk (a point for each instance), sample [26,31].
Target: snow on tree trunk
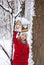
[29,13]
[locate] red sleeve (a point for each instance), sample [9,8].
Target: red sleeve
[14,37]
[28,51]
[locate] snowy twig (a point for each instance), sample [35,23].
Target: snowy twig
[9,4]
[19,9]
[5,52]
[19,4]
[15,15]
[6,9]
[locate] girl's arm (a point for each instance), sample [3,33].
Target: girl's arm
[14,37]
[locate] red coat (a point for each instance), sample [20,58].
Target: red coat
[21,53]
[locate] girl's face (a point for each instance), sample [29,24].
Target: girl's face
[23,36]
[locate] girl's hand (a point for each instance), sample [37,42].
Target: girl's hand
[18,37]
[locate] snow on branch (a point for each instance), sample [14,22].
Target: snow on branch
[9,4]
[5,51]
[10,9]
[19,4]
[15,15]
[6,9]
[19,9]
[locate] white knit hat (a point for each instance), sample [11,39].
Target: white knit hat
[23,33]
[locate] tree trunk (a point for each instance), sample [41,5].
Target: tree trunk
[38,33]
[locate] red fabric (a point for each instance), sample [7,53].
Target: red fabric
[21,52]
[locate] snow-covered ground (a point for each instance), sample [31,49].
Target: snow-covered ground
[4,60]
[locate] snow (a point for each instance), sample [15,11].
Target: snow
[23,20]
[5,36]
[7,46]
[17,13]
[19,5]
[5,6]
[29,13]
[6,41]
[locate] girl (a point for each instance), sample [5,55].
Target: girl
[21,47]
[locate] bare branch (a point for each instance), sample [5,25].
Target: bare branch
[19,9]
[10,9]
[6,9]
[15,15]
[9,4]
[6,53]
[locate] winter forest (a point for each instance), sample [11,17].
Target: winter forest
[10,12]
[21,32]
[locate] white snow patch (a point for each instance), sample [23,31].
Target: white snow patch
[29,39]
[23,20]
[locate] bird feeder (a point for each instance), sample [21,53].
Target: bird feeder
[22,24]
